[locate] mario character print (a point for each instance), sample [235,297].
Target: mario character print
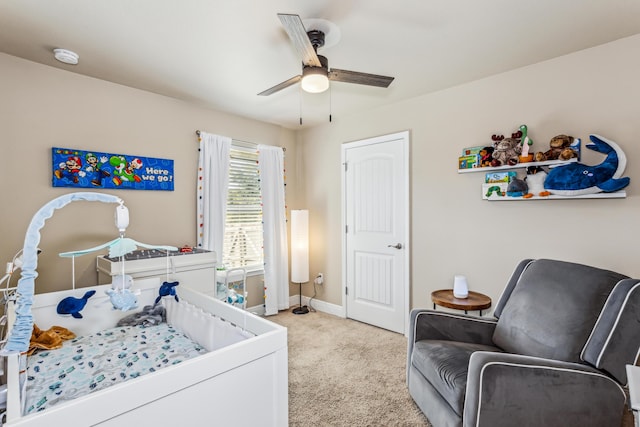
[70,170]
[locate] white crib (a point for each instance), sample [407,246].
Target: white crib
[240,382]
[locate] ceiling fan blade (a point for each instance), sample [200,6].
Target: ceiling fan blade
[295,29]
[359,78]
[280,86]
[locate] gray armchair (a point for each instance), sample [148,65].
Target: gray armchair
[554,355]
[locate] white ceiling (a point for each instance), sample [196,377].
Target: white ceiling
[221,53]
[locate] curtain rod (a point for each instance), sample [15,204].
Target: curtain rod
[244,142]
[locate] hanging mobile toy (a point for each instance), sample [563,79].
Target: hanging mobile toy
[120,294]
[167,289]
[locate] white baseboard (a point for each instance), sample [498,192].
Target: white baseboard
[294,301]
[325,307]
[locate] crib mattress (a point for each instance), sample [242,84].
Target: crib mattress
[93,362]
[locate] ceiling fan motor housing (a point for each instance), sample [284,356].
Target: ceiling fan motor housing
[323,61]
[316,37]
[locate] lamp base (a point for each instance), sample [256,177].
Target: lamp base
[300,310]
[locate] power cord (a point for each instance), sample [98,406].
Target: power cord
[311,299]
[318,280]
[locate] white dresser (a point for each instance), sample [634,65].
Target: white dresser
[196,268]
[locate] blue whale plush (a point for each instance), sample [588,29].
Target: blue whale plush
[576,179]
[73,306]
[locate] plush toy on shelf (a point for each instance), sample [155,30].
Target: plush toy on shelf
[574,179]
[506,152]
[526,144]
[486,155]
[517,188]
[562,147]
[535,180]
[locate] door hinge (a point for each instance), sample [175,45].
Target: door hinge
[346,166]
[346,229]
[346,291]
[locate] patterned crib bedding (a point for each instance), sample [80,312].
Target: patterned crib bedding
[93,362]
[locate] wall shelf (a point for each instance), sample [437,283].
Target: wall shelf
[549,163]
[615,195]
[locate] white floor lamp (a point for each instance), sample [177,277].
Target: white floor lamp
[300,253]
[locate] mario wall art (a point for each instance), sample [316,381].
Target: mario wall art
[93,169]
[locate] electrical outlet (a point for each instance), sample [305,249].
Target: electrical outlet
[319,280]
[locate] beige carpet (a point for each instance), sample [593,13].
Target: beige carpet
[346,373]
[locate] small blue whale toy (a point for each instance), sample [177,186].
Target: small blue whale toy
[166,289]
[73,306]
[122,299]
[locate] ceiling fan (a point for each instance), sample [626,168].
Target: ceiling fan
[315,68]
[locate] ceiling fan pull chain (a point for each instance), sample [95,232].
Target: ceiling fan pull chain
[300,97]
[330,104]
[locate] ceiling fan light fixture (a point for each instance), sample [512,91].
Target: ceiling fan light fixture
[314,79]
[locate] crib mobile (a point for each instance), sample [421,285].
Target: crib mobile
[121,295]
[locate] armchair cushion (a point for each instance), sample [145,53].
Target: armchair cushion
[444,364]
[553,309]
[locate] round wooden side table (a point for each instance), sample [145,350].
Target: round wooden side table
[475,300]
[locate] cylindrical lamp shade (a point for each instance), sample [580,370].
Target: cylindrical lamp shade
[299,246]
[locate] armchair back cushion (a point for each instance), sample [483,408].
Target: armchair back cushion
[552,309]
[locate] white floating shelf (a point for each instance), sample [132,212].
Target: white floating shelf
[615,195]
[550,163]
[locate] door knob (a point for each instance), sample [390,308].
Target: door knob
[397,246]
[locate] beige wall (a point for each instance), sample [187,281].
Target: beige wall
[453,230]
[42,107]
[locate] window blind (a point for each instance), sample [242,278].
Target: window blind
[243,244]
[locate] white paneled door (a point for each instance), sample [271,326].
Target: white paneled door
[376,230]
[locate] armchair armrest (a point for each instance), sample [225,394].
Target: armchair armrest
[613,343]
[509,389]
[439,325]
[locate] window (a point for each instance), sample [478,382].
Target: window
[243,246]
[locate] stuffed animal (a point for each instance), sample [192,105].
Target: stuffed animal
[73,305]
[506,152]
[149,316]
[50,339]
[535,180]
[517,188]
[122,299]
[486,156]
[574,179]
[167,289]
[560,149]
[121,282]
[525,143]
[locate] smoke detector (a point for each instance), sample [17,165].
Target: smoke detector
[66,56]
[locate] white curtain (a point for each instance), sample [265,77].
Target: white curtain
[276,265]
[213,183]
